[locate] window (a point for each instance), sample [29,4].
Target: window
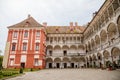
[37,47]
[11,62]
[36,62]
[26,34]
[13,46]
[50,53]
[37,33]
[15,35]
[65,53]
[24,46]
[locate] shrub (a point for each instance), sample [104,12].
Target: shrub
[7,73]
[21,70]
[31,69]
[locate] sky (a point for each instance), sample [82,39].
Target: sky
[54,12]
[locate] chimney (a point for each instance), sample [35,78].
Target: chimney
[76,24]
[29,16]
[45,24]
[71,24]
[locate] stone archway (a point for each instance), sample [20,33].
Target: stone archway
[106,57]
[92,43]
[81,49]
[74,62]
[57,50]
[118,24]
[49,50]
[65,62]
[65,49]
[57,62]
[49,62]
[103,36]
[97,40]
[99,56]
[106,54]
[112,31]
[73,49]
[115,52]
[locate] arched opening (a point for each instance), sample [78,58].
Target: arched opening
[57,61]
[90,59]
[92,43]
[103,36]
[97,40]
[49,62]
[99,55]
[106,54]
[112,31]
[57,50]
[74,62]
[94,61]
[115,52]
[65,49]
[65,62]
[81,62]
[73,49]
[81,49]
[49,50]
[118,24]
[89,46]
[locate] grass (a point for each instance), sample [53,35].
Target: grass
[8,73]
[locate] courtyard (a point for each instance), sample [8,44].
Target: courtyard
[70,74]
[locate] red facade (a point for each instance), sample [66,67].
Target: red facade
[26,45]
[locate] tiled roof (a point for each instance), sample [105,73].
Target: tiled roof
[64,29]
[29,22]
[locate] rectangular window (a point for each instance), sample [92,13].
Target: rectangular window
[37,47]
[26,34]
[36,62]
[11,62]
[38,34]
[24,46]
[13,46]
[15,35]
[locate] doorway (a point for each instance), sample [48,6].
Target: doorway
[58,65]
[22,65]
[50,65]
[72,65]
[65,65]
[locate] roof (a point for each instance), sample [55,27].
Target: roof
[64,29]
[29,22]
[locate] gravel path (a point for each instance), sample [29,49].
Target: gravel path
[70,74]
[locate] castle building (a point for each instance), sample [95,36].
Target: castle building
[34,45]
[25,46]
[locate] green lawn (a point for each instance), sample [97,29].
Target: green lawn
[6,73]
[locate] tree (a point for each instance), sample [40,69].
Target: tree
[0,52]
[1,59]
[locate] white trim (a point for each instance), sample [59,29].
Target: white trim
[12,56]
[14,41]
[24,41]
[36,56]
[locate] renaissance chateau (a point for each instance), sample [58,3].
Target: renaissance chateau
[96,45]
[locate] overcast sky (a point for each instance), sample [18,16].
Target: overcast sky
[54,12]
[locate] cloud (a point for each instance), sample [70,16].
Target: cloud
[54,12]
